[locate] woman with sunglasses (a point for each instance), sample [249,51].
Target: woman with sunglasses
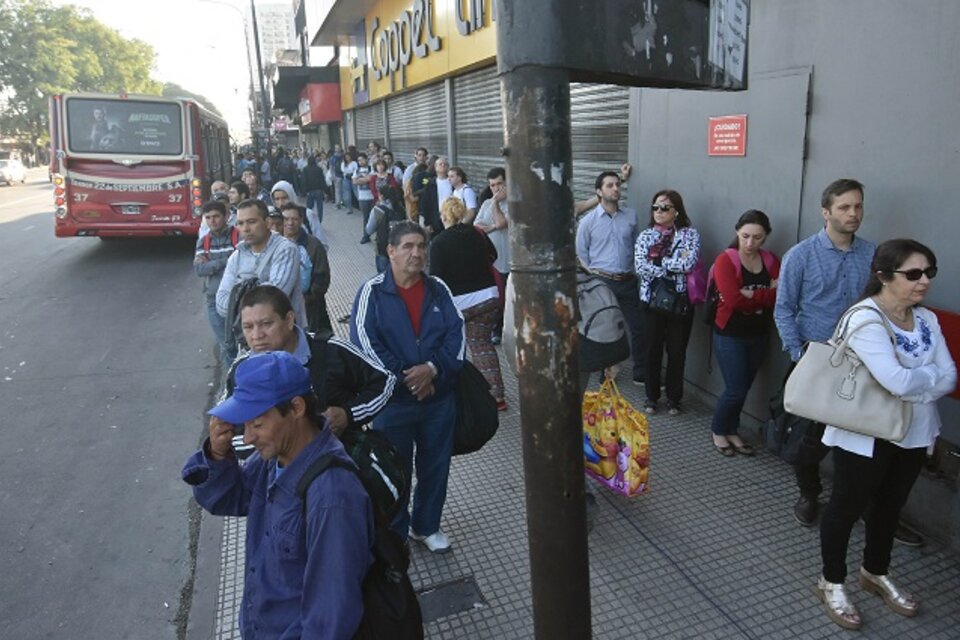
[667,249]
[880,473]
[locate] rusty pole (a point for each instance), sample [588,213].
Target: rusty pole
[536,112]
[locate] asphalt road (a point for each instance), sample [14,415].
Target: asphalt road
[106,367]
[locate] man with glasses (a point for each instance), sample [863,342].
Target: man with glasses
[820,278]
[605,242]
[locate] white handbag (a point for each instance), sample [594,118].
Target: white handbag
[830,384]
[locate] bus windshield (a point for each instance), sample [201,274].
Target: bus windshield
[136,127]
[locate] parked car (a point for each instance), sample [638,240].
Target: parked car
[12,171]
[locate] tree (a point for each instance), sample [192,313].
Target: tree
[48,50]
[173,90]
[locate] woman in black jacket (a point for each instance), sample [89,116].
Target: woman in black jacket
[462,256]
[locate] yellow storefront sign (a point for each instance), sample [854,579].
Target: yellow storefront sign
[415,42]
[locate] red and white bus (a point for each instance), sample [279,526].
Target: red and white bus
[133,165]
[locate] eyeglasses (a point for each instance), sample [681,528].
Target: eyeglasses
[662,207]
[915,274]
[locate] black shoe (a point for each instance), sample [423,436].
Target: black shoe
[805,511]
[364,239]
[344,319]
[638,380]
[907,537]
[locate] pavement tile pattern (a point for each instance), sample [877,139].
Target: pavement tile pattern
[710,551]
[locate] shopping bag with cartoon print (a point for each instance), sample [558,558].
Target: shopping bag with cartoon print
[616,441]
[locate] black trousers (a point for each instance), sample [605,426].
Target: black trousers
[811,454]
[672,332]
[875,488]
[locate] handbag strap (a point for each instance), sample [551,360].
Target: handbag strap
[842,333]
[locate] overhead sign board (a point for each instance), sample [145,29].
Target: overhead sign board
[693,44]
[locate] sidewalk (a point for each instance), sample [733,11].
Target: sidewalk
[710,551]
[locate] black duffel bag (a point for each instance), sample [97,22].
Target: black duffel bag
[477,415]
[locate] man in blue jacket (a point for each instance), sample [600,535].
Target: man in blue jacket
[305,559]
[409,324]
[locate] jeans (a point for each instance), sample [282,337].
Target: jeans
[338,190]
[628,297]
[347,193]
[429,425]
[876,488]
[315,202]
[366,206]
[739,358]
[672,332]
[217,322]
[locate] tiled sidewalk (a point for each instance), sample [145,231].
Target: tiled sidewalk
[710,551]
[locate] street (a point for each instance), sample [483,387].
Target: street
[106,368]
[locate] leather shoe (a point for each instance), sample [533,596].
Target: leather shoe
[805,511]
[907,537]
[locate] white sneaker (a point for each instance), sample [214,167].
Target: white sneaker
[435,542]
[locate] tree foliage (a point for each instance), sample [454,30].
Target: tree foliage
[173,90]
[48,50]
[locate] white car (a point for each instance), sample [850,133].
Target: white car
[12,171]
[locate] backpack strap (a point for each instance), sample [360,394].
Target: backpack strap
[768,260]
[206,244]
[234,237]
[319,465]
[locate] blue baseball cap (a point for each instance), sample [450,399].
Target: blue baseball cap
[263,381]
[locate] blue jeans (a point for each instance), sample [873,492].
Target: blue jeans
[315,202]
[430,425]
[347,192]
[216,321]
[739,358]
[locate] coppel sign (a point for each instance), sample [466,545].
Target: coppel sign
[394,45]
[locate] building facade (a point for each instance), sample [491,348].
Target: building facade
[861,89]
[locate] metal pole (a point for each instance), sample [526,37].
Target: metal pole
[536,115]
[265,105]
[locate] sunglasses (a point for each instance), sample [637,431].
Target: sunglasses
[662,207]
[915,274]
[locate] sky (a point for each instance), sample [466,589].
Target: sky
[199,44]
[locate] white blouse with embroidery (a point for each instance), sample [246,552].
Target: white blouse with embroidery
[920,371]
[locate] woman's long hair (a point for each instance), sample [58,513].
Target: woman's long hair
[889,257]
[751,216]
[682,220]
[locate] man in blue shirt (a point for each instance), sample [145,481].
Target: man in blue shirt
[821,277]
[305,559]
[605,243]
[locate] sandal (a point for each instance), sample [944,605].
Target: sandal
[838,605]
[726,451]
[744,449]
[898,600]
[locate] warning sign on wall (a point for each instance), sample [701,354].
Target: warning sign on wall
[727,136]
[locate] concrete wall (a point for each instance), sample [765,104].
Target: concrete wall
[862,88]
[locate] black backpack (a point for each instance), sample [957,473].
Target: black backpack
[380,468]
[390,607]
[234,330]
[477,415]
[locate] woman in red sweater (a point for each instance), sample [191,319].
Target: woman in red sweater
[746,281]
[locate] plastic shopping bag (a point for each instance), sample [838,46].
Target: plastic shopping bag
[616,441]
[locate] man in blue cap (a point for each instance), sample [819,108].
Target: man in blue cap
[305,559]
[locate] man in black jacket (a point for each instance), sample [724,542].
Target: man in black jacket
[351,386]
[314,184]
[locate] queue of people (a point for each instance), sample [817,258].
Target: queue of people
[402,363]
